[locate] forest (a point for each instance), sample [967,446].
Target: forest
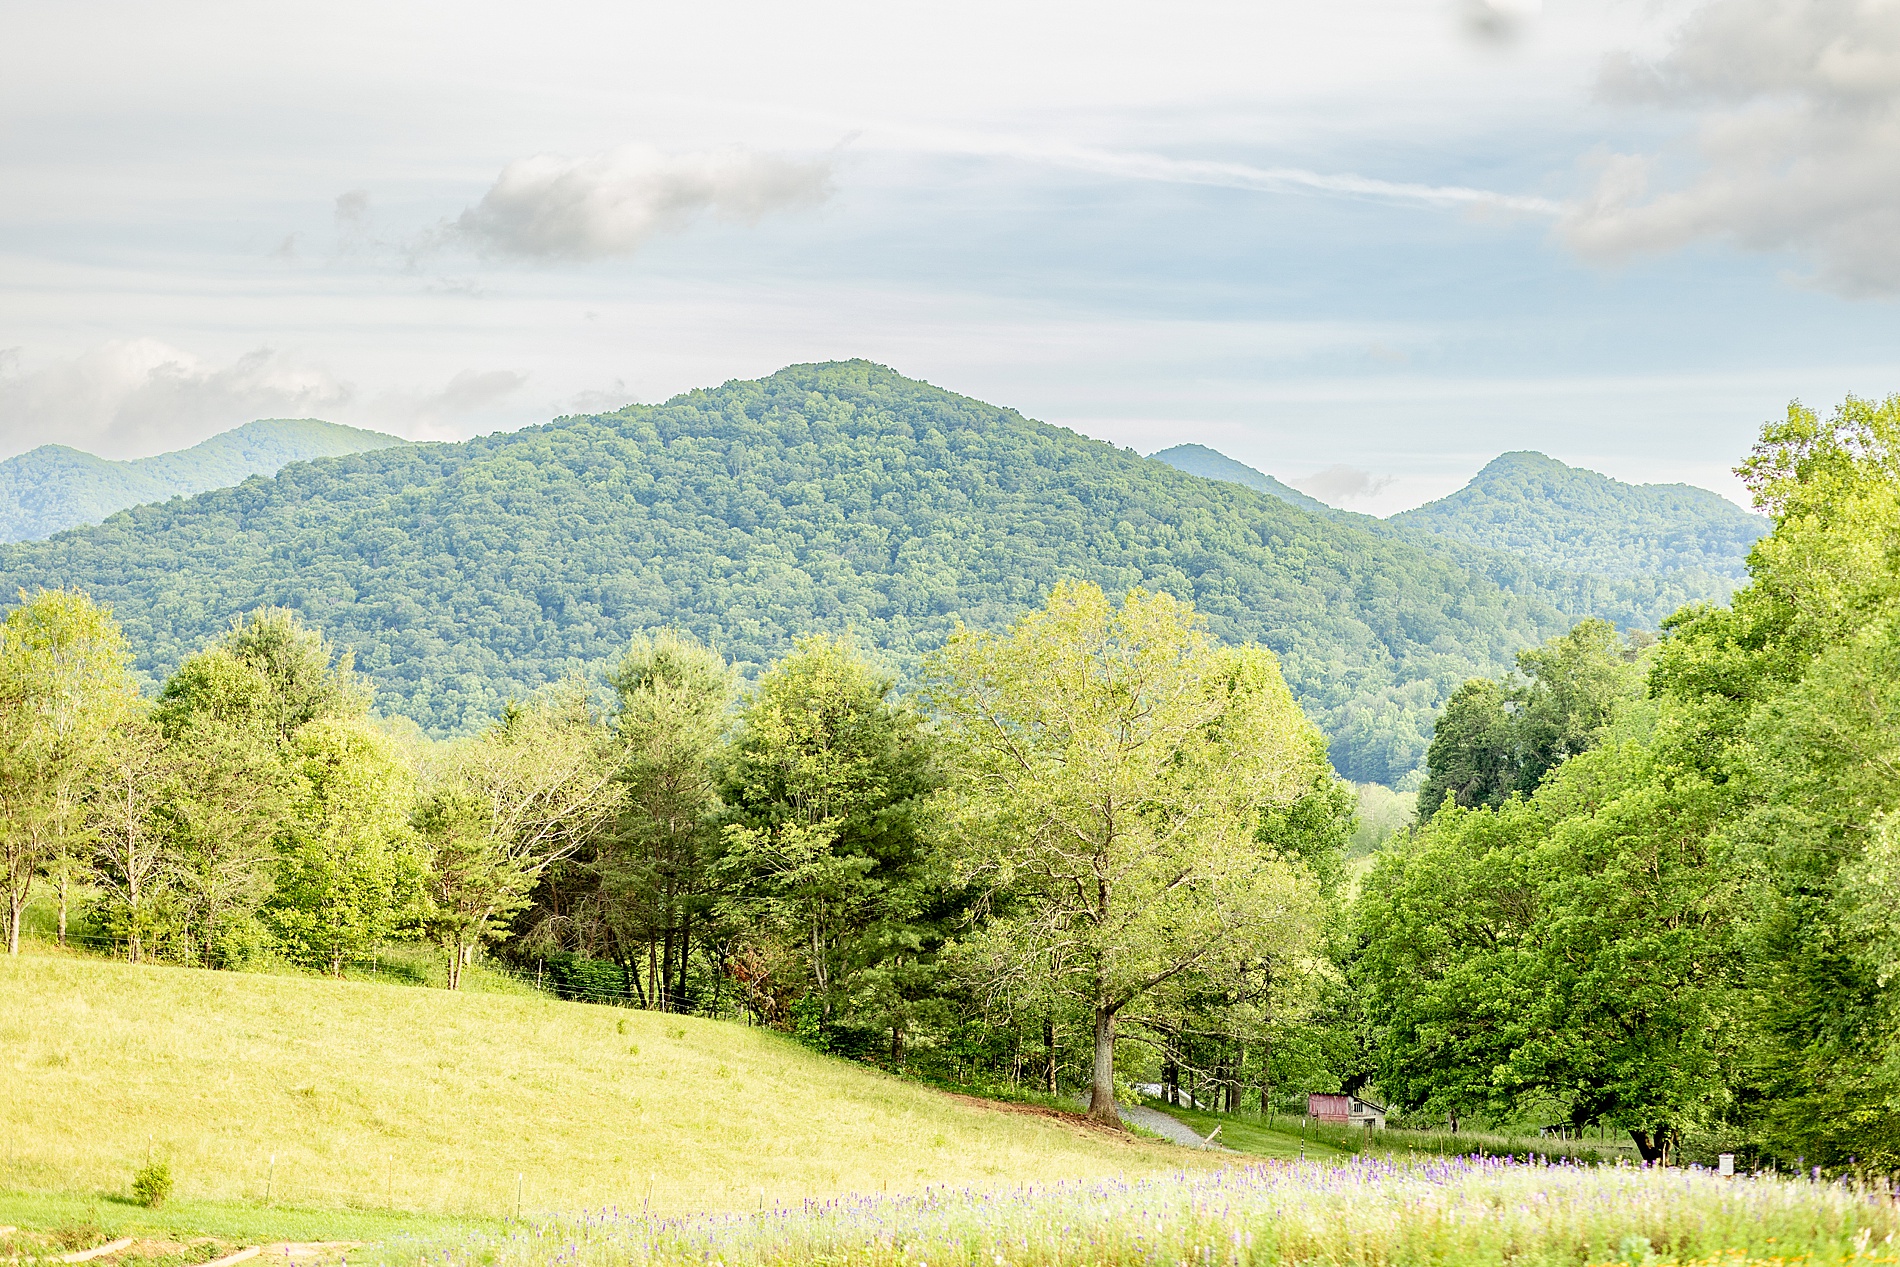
[841,499]
[1652,886]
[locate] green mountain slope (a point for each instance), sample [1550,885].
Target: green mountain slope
[53,487]
[826,497]
[1198,459]
[1559,516]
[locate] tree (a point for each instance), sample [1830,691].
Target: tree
[130,855]
[229,716]
[822,848]
[1499,738]
[1114,764]
[64,686]
[528,793]
[674,696]
[350,870]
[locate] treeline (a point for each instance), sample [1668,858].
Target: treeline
[1097,824]
[1659,886]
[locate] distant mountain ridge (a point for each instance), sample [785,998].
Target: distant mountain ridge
[1532,523]
[52,488]
[1561,516]
[1212,464]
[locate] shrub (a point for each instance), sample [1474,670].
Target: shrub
[152,1186]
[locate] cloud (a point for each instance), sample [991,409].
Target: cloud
[551,207]
[136,397]
[436,415]
[1498,21]
[1337,484]
[1796,142]
[1134,165]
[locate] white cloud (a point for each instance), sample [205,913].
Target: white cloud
[1797,135]
[551,207]
[439,415]
[1136,165]
[135,397]
[1338,484]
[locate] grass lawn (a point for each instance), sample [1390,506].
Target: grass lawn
[1251,1135]
[342,1103]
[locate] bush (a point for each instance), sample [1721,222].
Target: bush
[152,1186]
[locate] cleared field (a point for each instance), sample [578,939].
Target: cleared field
[349,1095]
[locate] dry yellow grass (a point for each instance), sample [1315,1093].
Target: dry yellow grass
[374,1095]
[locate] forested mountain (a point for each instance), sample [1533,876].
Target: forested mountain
[1559,516]
[1198,459]
[1632,597]
[54,487]
[837,497]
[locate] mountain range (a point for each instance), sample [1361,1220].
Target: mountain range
[1676,543]
[838,498]
[55,487]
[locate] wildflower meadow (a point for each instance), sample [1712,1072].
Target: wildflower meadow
[1380,1213]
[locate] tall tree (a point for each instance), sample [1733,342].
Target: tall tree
[822,849]
[350,870]
[130,854]
[1115,762]
[509,805]
[673,709]
[64,686]
[229,715]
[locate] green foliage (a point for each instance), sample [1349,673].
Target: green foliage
[152,1185]
[351,870]
[64,685]
[53,487]
[1498,739]
[1380,814]
[1688,926]
[1113,764]
[1560,517]
[822,858]
[826,498]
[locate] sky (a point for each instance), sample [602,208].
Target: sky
[1364,245]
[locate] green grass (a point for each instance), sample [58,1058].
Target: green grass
[1251,1135]
[1285,1138]
[226,1222]
[373,1097]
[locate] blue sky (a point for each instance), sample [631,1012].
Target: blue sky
[1363,246]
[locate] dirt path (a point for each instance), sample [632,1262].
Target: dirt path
[1166,1127]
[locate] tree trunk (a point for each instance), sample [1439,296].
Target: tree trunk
[16,911]
[1102,1086]
[1654,1145]
[686,942]
[62,905]
[1049,1051]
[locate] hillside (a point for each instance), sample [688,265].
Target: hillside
[1198,459]
[824,498]
[53,487]
[1559,516]
[374,1095]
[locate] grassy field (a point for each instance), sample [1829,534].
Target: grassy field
[308,1094]
[1365,1212]
[1288,1138]
[1250,1135]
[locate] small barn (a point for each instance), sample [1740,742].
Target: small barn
[1345,1110]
